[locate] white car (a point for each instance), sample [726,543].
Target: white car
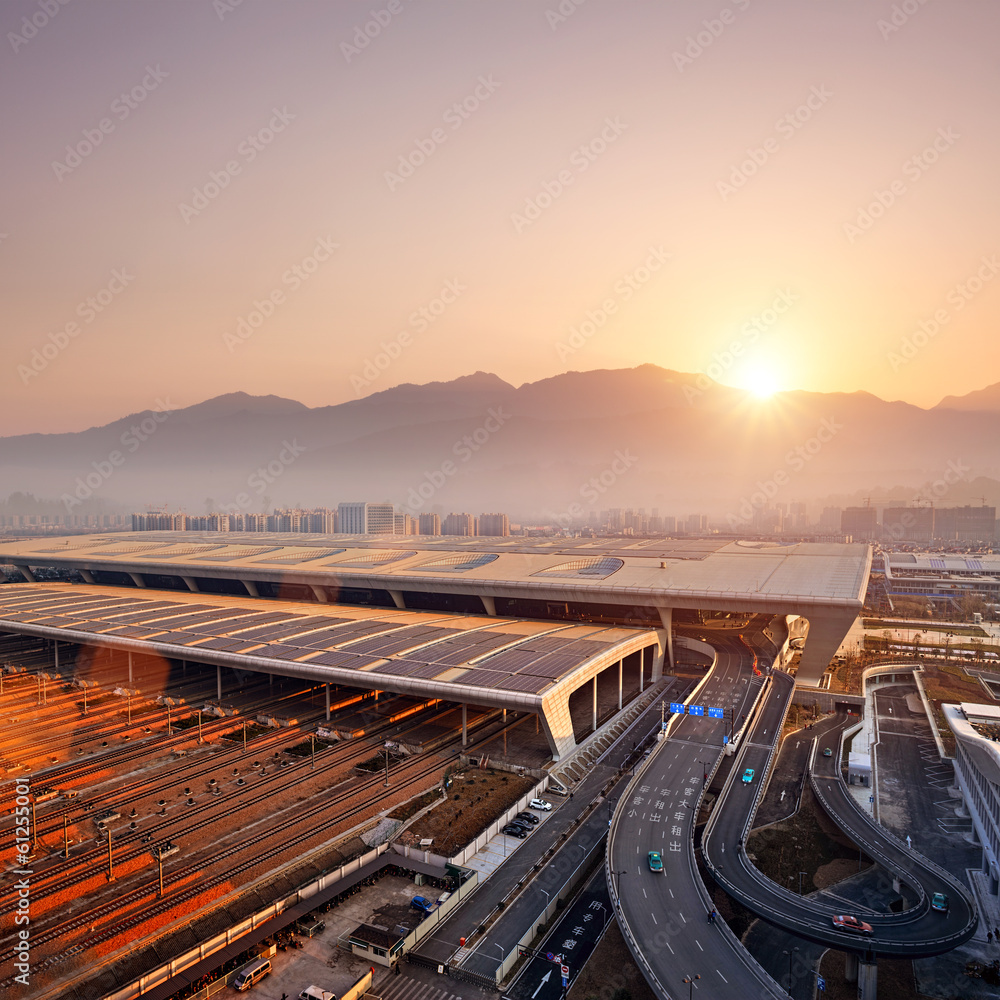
[540,804]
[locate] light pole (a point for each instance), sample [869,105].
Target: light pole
[785,951]
[690,980]
[618,881]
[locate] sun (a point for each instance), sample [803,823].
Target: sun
[761,379]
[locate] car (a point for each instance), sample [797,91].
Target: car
[421,903]
[540,804]
[748,775]
[526,817]
[515,831]
[827,752]
[845,922]
[527,827]
[939,902]
[655,861]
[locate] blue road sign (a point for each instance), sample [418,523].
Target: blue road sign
[677,706]
[820,983]
[696,709]
[715,713]
[725,739]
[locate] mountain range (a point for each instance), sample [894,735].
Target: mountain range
[645,436]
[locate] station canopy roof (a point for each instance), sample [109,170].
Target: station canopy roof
[361,646]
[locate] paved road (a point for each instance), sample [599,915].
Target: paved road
[664,916]
[569,944]
[916,932]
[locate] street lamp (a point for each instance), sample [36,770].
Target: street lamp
[785,951]
[618,881]
[690,980]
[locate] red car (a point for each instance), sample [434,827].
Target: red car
[849,923]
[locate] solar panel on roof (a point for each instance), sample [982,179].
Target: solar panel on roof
[481,678]
[411,668]
[553,665]
[277,651]
[336,658]
[400,640]
[524,682]
[510,659]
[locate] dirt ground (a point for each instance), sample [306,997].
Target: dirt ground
[610,971]
[808,842]
[476,798]
[895,979]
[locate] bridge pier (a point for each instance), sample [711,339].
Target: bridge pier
[867,979]
[851,967]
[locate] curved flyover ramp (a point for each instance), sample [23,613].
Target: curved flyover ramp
[917,932]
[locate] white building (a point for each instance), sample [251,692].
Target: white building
[365,519]
[977,769]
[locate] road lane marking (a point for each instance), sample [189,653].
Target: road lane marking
[653,915]
[671,891]
[667,943]
[644,893]
[698,943]
[722,977]
[681,915]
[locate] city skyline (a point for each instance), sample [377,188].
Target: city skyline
[776,197]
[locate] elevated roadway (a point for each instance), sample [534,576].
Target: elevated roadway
[918,931]
[664,916]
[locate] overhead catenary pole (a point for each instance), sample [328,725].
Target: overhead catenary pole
[66,837]
[111,866]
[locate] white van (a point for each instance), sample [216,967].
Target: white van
[315,993]
[251,974]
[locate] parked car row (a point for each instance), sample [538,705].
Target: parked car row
[524,822]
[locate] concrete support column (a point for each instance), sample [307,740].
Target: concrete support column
[594,723]
[218,682]
[667,620]
[251,588]
[642,674]
[139,581]
[827,630]
[555,720]
[851,967]
[397,599]
[25,572]
[619,685]
[192,584]
[318,592]
[465,724]
[56,644]
[867,980]
[327,687]
[490,605]
[130,667]
[88,577]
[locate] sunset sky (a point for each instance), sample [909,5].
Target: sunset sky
[266,196]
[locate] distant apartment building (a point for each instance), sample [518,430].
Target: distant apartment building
[429,524]
[362,518]
[160,521]
[830,519]
[908,524]
[965,524]
[696,523]
[669,525]
[405,524]
[459,524]
[861,523]
[494,525]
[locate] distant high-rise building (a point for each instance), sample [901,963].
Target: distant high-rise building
[405,524]
[669,525]
[429,524]
[696,523]
[908,524]
[830,519]
[362,518]
[965,524]
[459,524]
[859,523]
[496,525]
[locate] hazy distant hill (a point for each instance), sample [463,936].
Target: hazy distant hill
[981,399]
[633,437]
